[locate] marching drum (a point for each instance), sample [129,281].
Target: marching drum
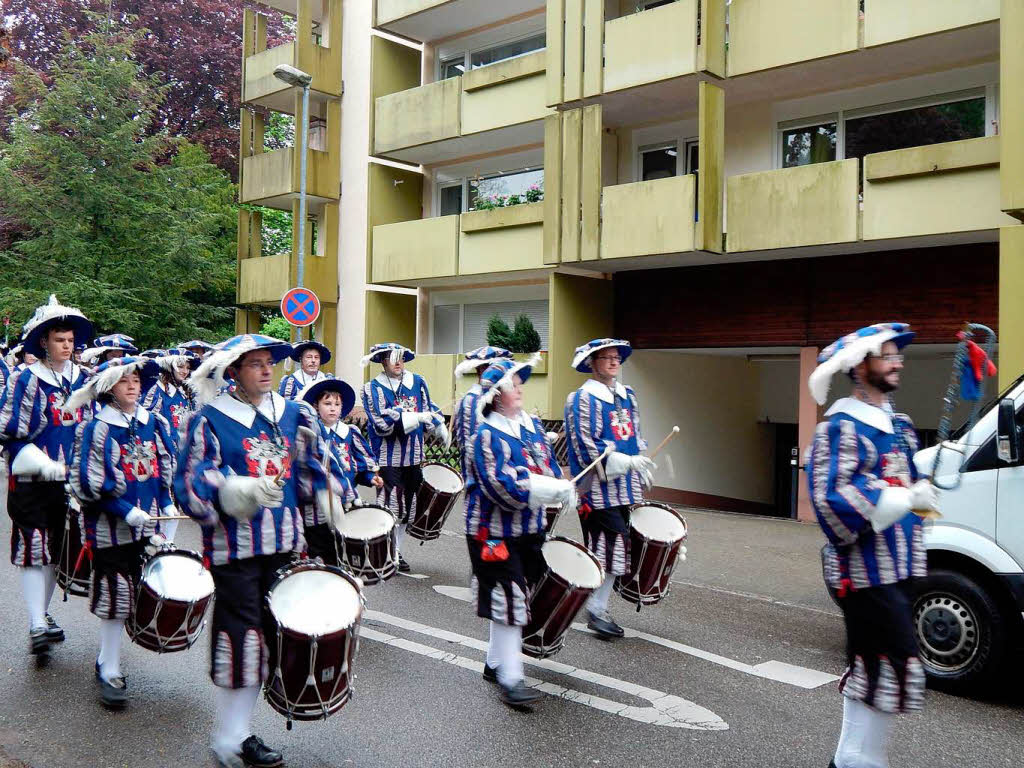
[173,594]
[656,532]
[436,498]
[74,568]
[367,536]
[571,577]
[316,609]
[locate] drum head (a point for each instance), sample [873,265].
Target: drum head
[572,562]
[314,602]
[177,576]
[366,523]
[442,478]
[657,523]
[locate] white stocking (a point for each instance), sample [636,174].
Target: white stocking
[234,719]
[399,536]
[864,740]
[598,602]
[33,589]
[49,573]
[110,648]
[507,643]
[492,649]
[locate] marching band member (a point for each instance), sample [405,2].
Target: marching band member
[512,478]
[5,373]
[601,414]
[398,410]
[20,358]
[107,348]
[332,399]
[310,355]
[122,466]
[464,415]
[38,432]
[865,490]
[197,347]
[245,471]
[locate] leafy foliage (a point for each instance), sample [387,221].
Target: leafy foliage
[524,336]
[133,226]
[277,328]
[498,332]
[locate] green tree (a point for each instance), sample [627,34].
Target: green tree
[498,332]
[277,328]
[524,336]
[134,227]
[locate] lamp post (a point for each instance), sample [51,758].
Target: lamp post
[296,77]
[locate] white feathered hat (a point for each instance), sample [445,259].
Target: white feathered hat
[849,351]
[54,313]
[498,378]
[481,356]
[207,380]
[105,377]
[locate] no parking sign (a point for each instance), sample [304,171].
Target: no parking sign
[300,307]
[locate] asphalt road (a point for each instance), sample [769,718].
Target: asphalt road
[735,668]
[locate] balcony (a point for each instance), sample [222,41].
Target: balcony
[503,240]
[415,250]
[932,190]
[808,205]
[648,218]
[649,46]
[312,54]
[890,22]
[265,279]
[486,110]
[271,179]
[445,391]
[428,20]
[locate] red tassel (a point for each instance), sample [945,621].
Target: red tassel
[845,587]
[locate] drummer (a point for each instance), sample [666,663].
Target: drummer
[398,410]
[464,415]
[513,477]
[238,447]
[604,414]
[122,499]
[332,399]
[310,355]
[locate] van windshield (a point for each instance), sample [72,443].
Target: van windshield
[962,429]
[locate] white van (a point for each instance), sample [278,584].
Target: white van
[969,610]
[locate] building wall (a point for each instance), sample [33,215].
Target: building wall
[721,449]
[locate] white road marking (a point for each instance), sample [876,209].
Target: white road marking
[413,575]
[664,709]
[779,671]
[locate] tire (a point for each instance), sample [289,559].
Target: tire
[962,635]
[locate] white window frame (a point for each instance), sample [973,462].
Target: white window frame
[839,117]
[464,182]
[682,158]
[467,54]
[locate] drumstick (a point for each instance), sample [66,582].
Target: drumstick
[158,518]
[663,443]
[591,465]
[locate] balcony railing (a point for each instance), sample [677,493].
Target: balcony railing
[648,218]
[427,20]
[271,179]
[653,45]
[265,279]
[415,250]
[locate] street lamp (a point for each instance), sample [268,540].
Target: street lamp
[296,77]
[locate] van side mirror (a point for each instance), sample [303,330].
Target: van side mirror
[1008,433]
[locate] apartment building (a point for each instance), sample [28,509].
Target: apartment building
[729,185]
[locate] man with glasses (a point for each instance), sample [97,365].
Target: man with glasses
[869,501]
[604,414]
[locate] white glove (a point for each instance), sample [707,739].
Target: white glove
[411,421]
[136,518]
[242,497]
[169,511]
[32,462]
[551,437]
[618,464]
[337,520]
[325,499]
[427,417]
[441,433]
[73,502]
[550,491]
[924,496]
[893,505]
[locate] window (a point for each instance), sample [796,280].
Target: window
[514,184]
[460,63]
[451,199]
[856,133]
[446,329]
[809,144]
[471,320]
[660,161]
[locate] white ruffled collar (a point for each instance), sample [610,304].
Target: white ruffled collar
[272,407]
[42,370]
[113,416]
[389,383]
[504,424]
[863,412]
[603,391]
[305,380]
[341,429]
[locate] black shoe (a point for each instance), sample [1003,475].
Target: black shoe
[258,755]
[519,696]
[113,692]
[403,566]
[605,627]
[39,643]
[490,673]
[53,630]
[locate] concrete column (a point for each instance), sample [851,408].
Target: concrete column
[1011,307]
[808,416]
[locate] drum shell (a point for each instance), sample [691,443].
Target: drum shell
[553,606]
[651,566]
[76,583]
[287,690]
[432,509]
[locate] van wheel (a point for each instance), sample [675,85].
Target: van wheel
[960,631]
